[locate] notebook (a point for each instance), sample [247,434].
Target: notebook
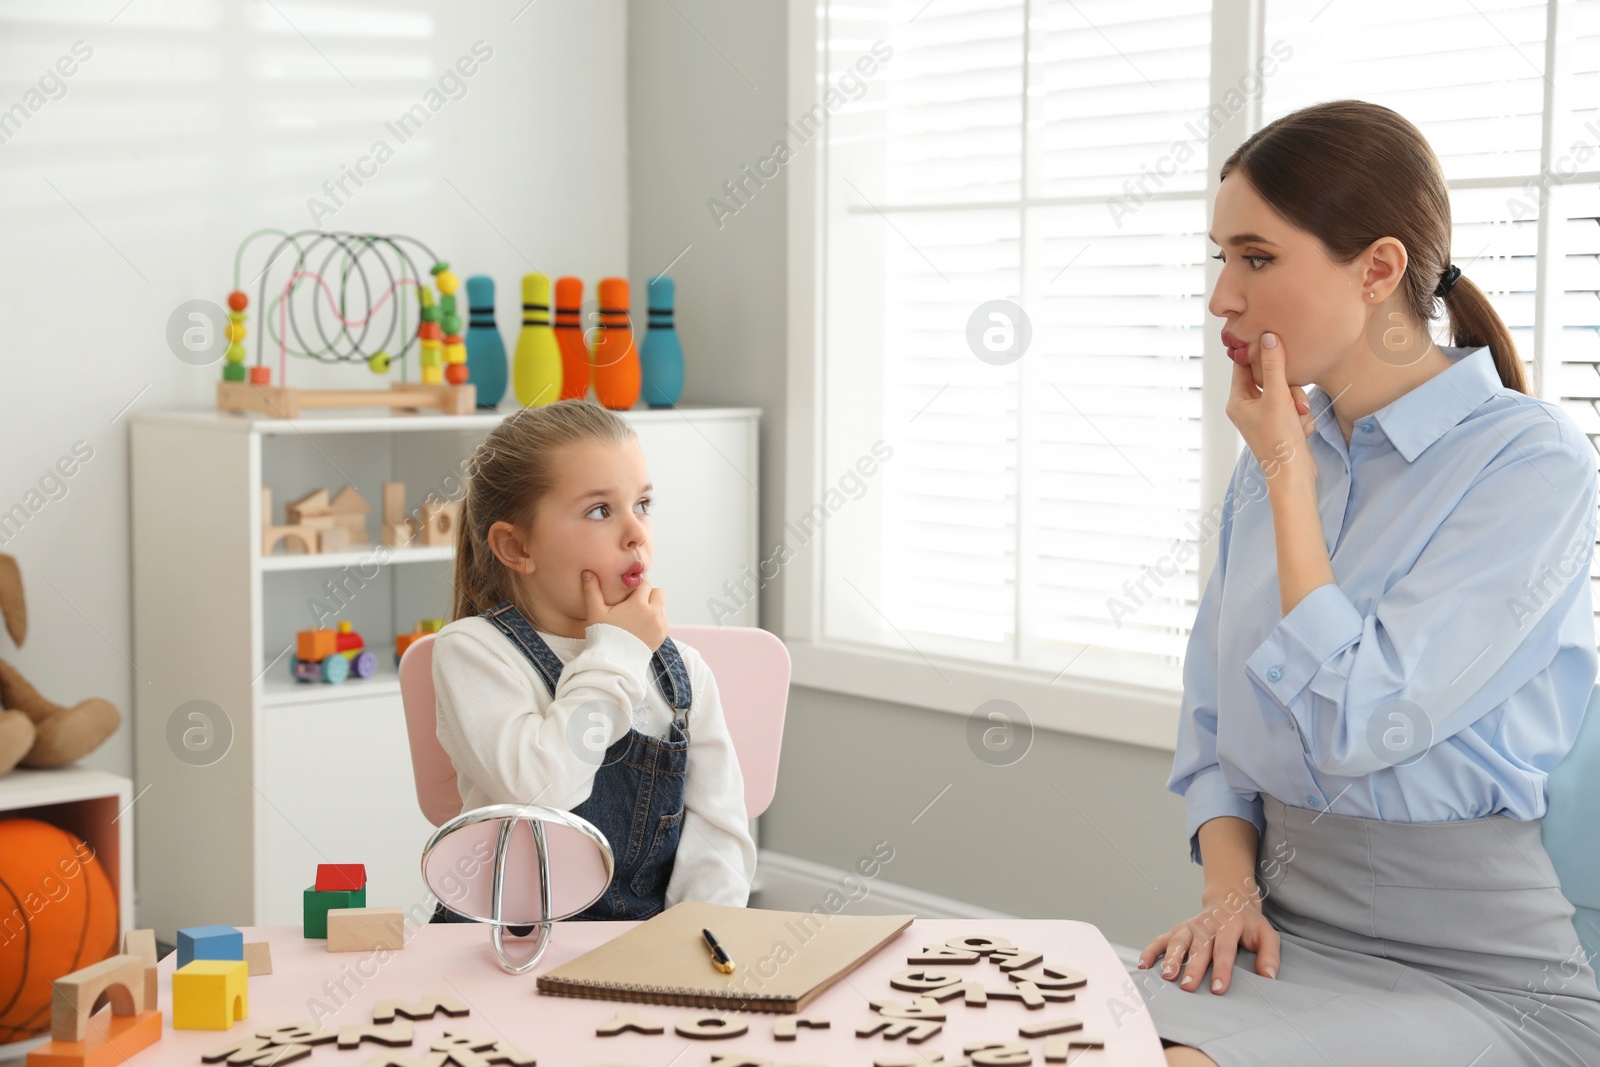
[782,959]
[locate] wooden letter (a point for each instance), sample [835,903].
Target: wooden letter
[999,1054]
[1047,1027]
[393,1034]
[922,979]
[711,1026]
[626,1020]
[420,1009]
[784,1029]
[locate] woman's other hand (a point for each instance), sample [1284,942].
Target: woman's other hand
[1214,938]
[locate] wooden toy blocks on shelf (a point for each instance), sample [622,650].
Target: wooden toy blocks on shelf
[210,994]
[315,523]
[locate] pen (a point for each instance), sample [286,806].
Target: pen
[719,955]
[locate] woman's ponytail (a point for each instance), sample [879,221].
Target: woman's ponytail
[1474,323]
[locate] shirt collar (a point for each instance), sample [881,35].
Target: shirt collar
[1415,420]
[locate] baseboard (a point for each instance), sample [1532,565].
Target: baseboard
[789,883]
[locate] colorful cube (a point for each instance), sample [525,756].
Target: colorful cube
[210,994]
[335,877]
[316,906]
[218,942]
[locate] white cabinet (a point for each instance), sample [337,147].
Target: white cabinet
[248,779]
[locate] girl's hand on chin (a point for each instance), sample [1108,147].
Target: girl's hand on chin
[1274,417]
[643,612]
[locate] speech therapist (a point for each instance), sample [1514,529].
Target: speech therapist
[1395,647]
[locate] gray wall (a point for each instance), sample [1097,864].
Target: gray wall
[1111,851]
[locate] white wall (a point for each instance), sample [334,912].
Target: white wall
[191,124]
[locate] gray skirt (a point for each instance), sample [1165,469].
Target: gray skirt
[1405,944]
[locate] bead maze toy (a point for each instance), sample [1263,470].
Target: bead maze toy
[361,280]
[331,655]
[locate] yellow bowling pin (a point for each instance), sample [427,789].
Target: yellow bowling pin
[536,371]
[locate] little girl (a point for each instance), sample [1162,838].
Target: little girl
[557,683]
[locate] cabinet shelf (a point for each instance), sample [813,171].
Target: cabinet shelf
[278,688]
[312,561]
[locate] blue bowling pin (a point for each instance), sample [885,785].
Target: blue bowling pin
[486,350]
[661,356]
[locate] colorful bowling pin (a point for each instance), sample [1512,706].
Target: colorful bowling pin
[537,371]
[486,351]
[615,360]
[661,356]
[569,335]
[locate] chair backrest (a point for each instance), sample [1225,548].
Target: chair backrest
[1568,830]
[752,671]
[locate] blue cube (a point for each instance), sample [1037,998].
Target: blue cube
[219,942]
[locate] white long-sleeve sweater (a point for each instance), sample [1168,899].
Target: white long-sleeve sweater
[508,738]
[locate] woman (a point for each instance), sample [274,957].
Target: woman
[1394,649]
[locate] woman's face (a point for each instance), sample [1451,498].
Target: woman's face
[1279,279]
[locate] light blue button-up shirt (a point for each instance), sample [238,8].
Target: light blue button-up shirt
[1445,671]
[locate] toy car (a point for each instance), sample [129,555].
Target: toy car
[404,641]
[331,655]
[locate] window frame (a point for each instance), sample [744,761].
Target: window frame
[1130,711]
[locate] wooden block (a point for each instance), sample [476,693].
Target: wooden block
[210,994]
[365,929]
[439,520]
[784,1029]
[298,1033]
[108,1042]
[257,1052]
[711,1026]
[215,942]
[315,907]
[394,503]
[923,979]
[393,1034]
[425,1008]
[336,539]
[73,996]
[1052,978]
[999,1054]
[624,1021]
[920,1008]
[1046,1027]
[142,943]
[309,510]
[336,877]
[467,1049]
[258,957]
[297,540]
[943,954]
[1058,1048]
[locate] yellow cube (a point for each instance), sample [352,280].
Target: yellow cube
[210,994]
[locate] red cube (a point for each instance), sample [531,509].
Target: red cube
[333,877]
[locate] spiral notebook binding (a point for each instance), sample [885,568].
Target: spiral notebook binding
[673,996]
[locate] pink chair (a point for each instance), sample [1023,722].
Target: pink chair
[752,671]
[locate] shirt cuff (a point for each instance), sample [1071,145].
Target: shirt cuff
[1208,796]
[1320,626]
[621,647]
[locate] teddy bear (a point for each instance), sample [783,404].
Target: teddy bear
[33,731]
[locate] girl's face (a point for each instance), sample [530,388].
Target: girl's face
[595,518]
[1279,279]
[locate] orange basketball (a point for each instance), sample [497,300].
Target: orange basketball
[58,914]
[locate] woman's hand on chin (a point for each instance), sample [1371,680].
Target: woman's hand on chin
[1274,417]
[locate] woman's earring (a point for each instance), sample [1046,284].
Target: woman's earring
[1371,296]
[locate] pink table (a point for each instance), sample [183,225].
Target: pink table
[333,989]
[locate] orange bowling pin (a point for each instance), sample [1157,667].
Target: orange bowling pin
[615,361]
[569,335]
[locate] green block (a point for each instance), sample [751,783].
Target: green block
[317,906]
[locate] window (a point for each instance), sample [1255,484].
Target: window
[1043,513]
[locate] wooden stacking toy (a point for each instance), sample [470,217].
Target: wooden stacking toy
[614,359]
[537,369]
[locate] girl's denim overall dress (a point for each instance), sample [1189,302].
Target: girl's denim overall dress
[637,799]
